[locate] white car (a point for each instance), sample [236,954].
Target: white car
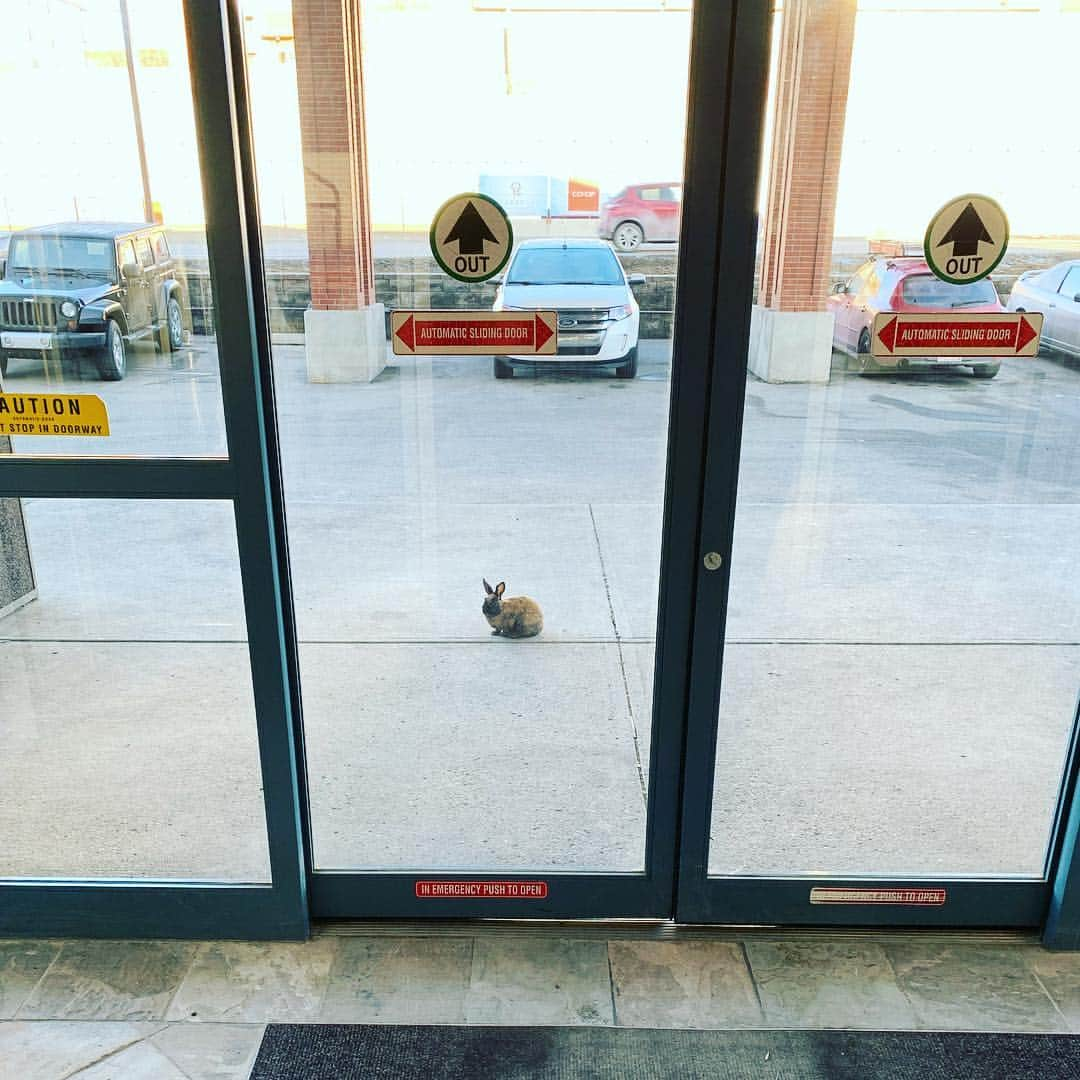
[1056,293]
[585,283]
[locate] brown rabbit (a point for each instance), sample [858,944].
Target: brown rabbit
[515,617]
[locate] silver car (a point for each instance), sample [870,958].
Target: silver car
[1056,293]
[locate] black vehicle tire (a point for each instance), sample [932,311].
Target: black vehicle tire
[3,366]
[628,236]
[502,369]
[112,363]
[867,364]
[629,369]
[174,324]
[985,371]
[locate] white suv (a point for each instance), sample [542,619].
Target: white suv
[584,282]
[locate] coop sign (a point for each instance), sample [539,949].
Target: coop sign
[82,415]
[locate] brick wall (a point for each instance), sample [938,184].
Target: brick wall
[330,88]
[404,282]
[811,100]
[418,283]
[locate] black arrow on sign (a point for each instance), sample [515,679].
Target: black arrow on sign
[470,231]
[966,232]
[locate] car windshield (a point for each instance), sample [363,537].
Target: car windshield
[926,290]
[74,256]
[565,266]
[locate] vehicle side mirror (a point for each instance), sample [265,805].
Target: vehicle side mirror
[839,289]
[130,271]
[1076,298]
[636,279]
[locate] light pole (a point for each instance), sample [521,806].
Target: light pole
[136,112]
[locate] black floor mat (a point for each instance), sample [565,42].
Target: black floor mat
[374,1052]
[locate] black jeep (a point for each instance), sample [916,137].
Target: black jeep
[89,288]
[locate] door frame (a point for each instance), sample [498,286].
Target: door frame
[148,907]
[971,902]
[649,894]
[729,61]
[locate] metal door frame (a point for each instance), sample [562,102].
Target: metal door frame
[1053,903]
[150,907]
[362,894]
[728,68]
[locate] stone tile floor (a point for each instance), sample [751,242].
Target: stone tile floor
[166,1010]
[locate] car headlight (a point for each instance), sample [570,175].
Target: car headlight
[623,311]
[68,310]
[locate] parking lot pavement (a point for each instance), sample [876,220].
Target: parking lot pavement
[904,624]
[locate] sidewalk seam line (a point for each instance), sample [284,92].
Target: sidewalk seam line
[622,662]
[753,979]
[112,1053]
[1053,1001]
[51,964]
[611,984]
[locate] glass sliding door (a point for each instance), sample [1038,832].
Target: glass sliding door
[896,717]
[145,754]
[450,769]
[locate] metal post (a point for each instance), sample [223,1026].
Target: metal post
[136,113]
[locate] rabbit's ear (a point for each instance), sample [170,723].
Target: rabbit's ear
[500,588]
[487,588]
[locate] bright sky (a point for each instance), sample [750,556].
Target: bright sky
[941,102]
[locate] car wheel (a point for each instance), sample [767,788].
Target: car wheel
[174,319]
[985,371]
[502,369]
[629,369]
[112,364]
[3,366]
[628,236]
[867,364]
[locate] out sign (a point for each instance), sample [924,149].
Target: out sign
[471,237]
[966,239]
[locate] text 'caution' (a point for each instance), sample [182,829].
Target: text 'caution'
[81,415]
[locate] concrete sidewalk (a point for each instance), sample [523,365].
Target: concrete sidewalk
[903,635]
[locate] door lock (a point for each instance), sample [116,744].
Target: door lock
[713,560]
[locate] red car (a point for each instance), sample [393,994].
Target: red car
[903,283]
[640,214]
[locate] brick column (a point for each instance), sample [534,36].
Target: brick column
[330,87]
[811,102]
[811,90]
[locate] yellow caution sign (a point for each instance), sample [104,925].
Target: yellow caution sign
[81,415]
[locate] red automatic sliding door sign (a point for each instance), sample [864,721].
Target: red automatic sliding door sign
[941,333]
[481,890]
[474,333]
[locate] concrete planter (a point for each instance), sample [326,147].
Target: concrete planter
[790,346]
[345,346]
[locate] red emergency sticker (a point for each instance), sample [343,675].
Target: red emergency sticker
[481,890]
[900,897]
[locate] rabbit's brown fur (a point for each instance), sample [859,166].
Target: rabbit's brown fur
[515,617]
